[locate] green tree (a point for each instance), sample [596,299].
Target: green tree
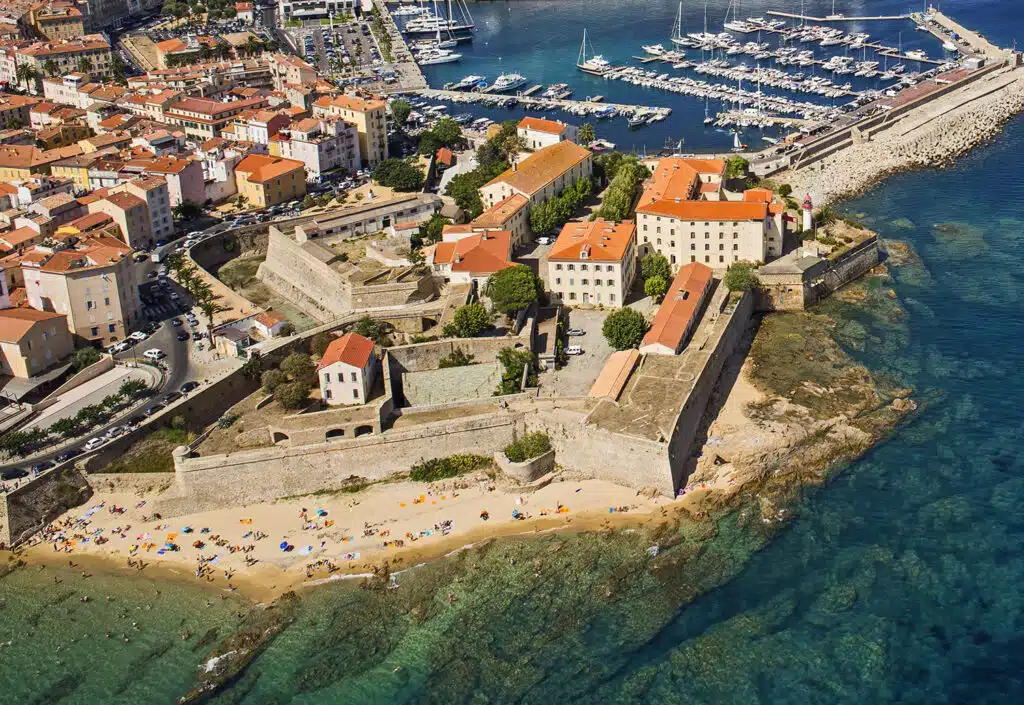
[469,321]
[512,289]
[513,363]
[742,276]
[253,46]
[400,110]
[543,218]
[186,210]
[253,367]
[90,415]
[299,367]
[26,75]
[272,379]
[112,401]
[241,201]
[446,133]
[222,49]
[66,427]
[85,357]
[586,133]
[309,201]
[319,343]
[374,330]
[623,189]
[292,395]
[465,189]
[84,64]
[457,358]
[624,328]
[785,190]
[50,67]
[826,216]
[398,174]
[655,265]
[132,388]
[655,286]
[736,167]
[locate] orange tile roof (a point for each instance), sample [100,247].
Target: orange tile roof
[542,167]
[758,195]
[710,187]
[444,156]
[708,210]
[125,201]
[351,348]
[172,45]
[17,156]
[262,168]
[678,312]
[600,240]
[485,252]
[541,125]
[15,323]
[270,318]
[500,213]
[673,179]
[91,221]
[18,237]
[349,102]
[706,166]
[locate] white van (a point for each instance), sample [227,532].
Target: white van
[154,354]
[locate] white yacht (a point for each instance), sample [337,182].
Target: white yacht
[429,57]
[596,64]
[508,82]
[654,49]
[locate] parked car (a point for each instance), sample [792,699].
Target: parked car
[171,397]
[67,455]
[152,274]
[188,387]
[154,354]
[574,350]
[175,322]
[182,336]
[575,331]
[139,335]
[153,409]
[117,348]
[174,296]
[45,465]
[13,473]
[115,431]
[196,335]
[94,443]
[134,421]
[543,241]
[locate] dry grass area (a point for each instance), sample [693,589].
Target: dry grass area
[240,275]
[248,431]
[152,453]
[416,418]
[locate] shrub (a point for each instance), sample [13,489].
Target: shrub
[785,190]
[532,445]
[319,344]
[624,328]
[452,466]
[272,379]
[292,395]
[512,289]
[374,330]
[398,174]
[300,367]
[469,321]
[179,423]
[84,357]
[456,359]
[741,277]
[514,362]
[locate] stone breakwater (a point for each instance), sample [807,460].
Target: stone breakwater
[915,141]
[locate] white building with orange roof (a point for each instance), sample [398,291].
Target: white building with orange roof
[322,144]
[593,262]
[92,283]
[679,312]
[465,256]
[509,214]
[540,133]
[347,370]
[369,115]
[541,176]
[682,216]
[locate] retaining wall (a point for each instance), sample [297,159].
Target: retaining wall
[32,506]
[249,477]
[528,470]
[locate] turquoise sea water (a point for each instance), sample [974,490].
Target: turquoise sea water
[897,582]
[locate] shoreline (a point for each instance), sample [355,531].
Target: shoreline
[931,137]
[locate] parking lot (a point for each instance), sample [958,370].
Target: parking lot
[346,50]
[581,371]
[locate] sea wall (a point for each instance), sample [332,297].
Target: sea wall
[235,479]
[29,508]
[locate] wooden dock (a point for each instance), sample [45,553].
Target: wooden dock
[525,100]
[838,18]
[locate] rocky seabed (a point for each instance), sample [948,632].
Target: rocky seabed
[934,145]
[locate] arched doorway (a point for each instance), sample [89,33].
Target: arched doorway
[363,430]
[336,433]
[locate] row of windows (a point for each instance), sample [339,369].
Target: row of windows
[693,234]
[693,223]
[583,267]
[95,330]
[572,297]
[341,377]
[328,395]
[586,282]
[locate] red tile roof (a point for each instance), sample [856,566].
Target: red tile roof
[486,252]
[678,312]
[542,125]
[351,348]
[600,239]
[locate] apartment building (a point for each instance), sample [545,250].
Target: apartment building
[675,218]
[92,283]
[154,191]
[21,162]
[322,144]
[204,118]
[32,341]
[313,9]
[131,215]
[289,70]
[347,370]
[540,133]
[510,214]
[593,262]
[259,126]
[541,176]
[370,118]
[89,51]
[268,181]
[58,23]
[184,177]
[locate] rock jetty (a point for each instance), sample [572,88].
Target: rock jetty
[917,140]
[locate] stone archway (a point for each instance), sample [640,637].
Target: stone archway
[363,430]
[335,433]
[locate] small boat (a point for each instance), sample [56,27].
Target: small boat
[737,146]
[508,82]
[654,49]
[637,120]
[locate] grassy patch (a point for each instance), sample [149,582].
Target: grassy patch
[443,468]
[152,453]
[530,446]
[241,271]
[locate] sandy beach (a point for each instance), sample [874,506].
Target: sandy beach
[266,549]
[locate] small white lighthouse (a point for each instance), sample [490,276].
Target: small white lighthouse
[808,213]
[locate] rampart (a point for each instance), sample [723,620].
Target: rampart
[27,509]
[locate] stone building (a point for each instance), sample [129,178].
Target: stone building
[347,370]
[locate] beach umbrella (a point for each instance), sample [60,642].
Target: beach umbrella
[321,513]
[284,546]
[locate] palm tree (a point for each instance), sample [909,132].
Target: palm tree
[209,306]
[252,45]
[26,74]
[50,67]
[117,68]
[85,64]
[587,134]
[223,49]
[206,52]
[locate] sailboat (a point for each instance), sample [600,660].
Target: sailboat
[677,37]
[736,25]
[707,116]
[737,146]
[596,64]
